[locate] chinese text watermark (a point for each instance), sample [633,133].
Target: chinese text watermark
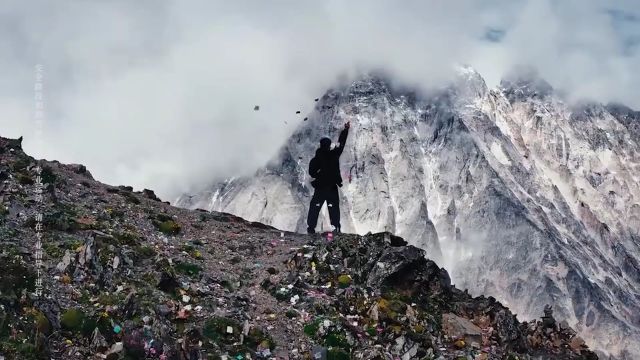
[38,117]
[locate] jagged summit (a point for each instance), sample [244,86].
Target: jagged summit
[469,83]
[519,194]
[525,83]
[469,73]
[127,276]
[369,84]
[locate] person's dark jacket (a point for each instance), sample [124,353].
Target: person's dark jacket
[325,166]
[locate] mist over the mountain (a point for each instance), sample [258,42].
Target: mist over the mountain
[160,94]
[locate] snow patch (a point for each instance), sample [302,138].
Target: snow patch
[212,204]
[498,152]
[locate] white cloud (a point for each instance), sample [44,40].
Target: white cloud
[160,94]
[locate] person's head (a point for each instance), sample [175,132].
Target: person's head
[325,143]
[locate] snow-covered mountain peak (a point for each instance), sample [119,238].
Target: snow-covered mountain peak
[524,83]
[520,195]
[468,84]
[369,84]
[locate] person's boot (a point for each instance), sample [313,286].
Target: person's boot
[336,230]
[311,231]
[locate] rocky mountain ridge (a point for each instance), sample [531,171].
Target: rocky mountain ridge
[127,276]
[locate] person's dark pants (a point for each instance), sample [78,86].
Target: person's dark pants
[320,195]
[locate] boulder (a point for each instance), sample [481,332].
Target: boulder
[577,344]
[98,342]
[150,194]
[66,260]
[393,261]
[81,169]
[393,240]
[456,327]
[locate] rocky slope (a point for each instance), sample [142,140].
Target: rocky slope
[520,195]
[127,276]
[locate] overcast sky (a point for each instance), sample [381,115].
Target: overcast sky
[160,94]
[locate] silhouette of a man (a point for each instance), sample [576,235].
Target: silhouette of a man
[325,169]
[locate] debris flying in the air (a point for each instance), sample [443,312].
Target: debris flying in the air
[317,99]
[305,119]
[298,112]
[256,108]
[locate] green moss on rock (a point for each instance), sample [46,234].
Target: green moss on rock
[72,243]
[109,299]
[52,249]
[336,339]
[337,354]
[127,238]
[215,329]
[145,251]
[72,320]
[188,268]
[169,227]
[62,218]
[24,179]
[344,280]
[312,328]
[41,322]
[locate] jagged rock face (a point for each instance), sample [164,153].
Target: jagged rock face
[521,196]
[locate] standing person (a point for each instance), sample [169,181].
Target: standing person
[325,169]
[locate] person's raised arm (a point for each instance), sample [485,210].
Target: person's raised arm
[343,138]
